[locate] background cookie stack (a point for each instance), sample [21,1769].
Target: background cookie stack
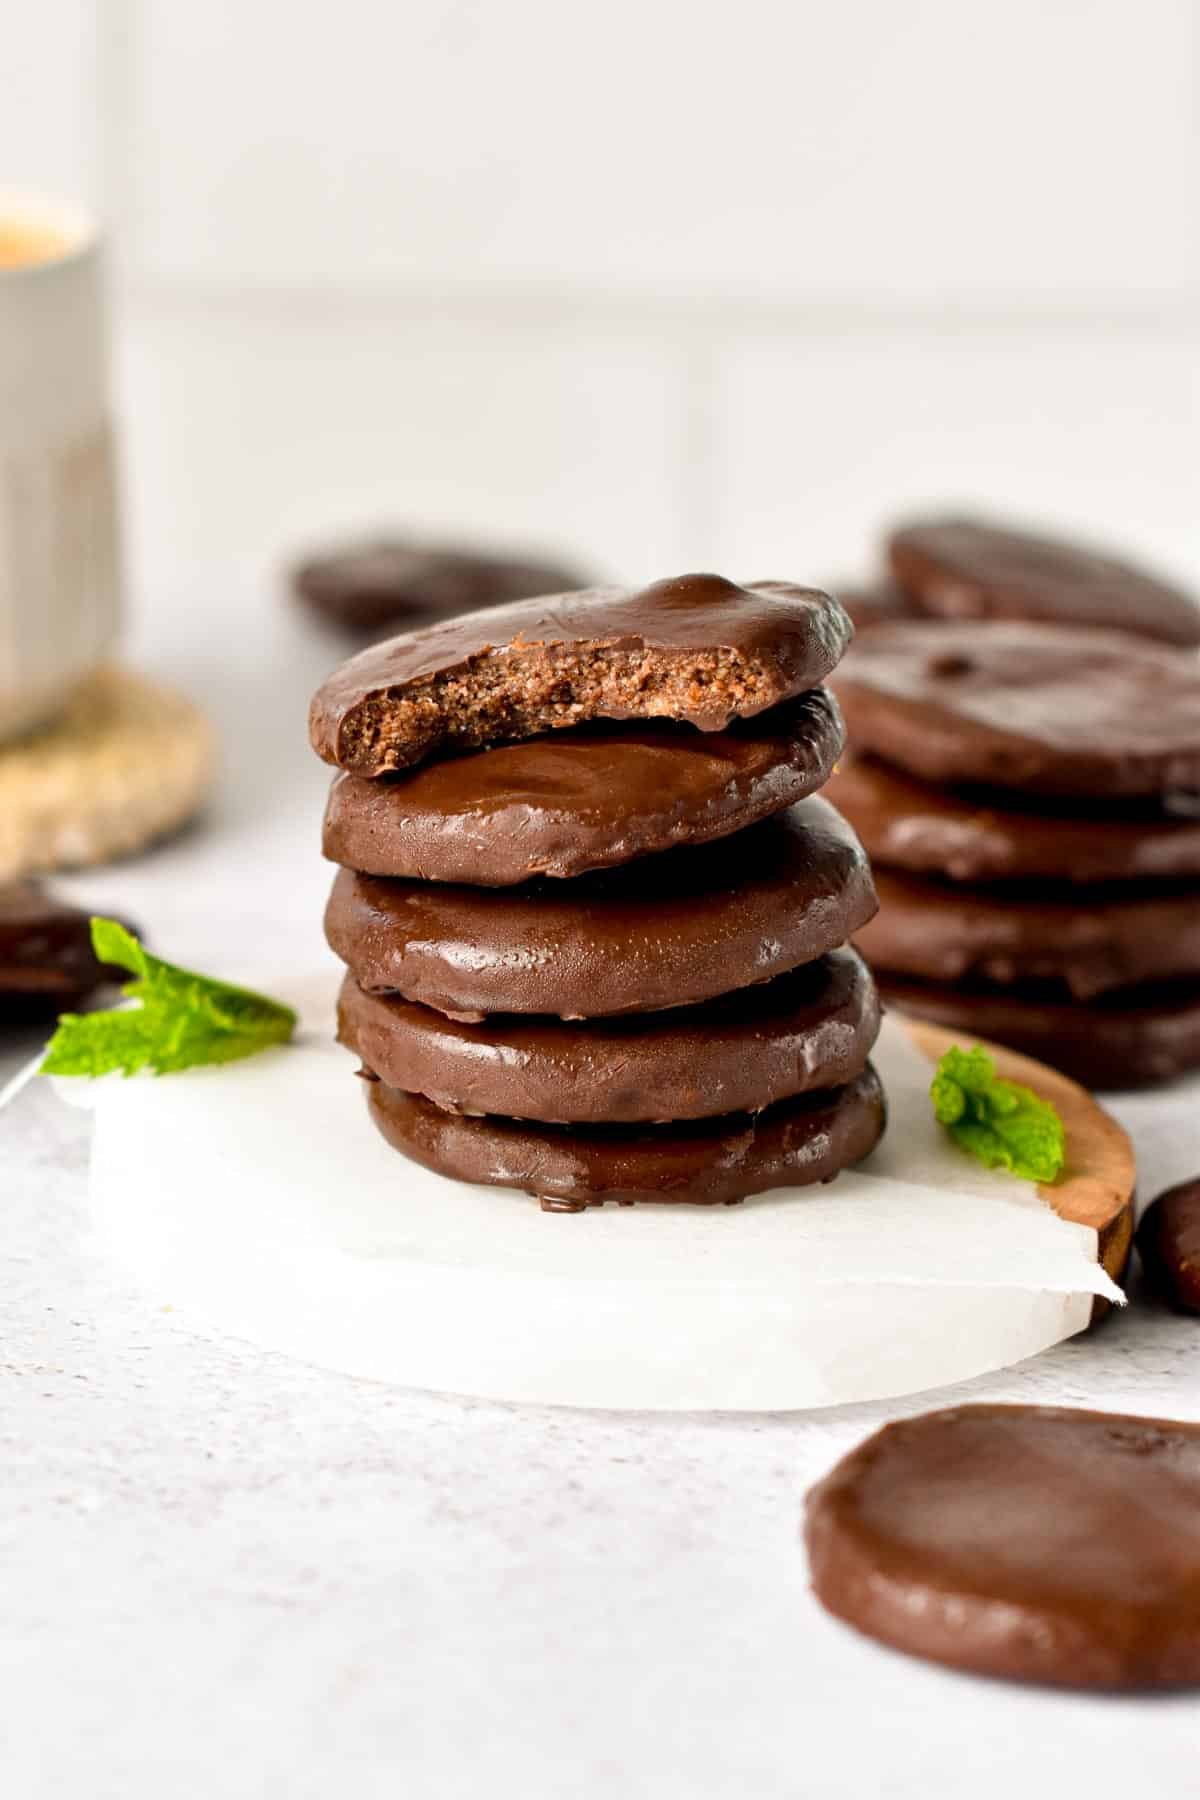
[1028,793]
[567,974]
[969,568]
[390,582]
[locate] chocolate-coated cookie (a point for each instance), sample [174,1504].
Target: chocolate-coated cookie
[47,965]
[1168,1241]
[668,930]
[1051,709]
[585,799]
[705,1163]
[812,1028]
[1090,945]
[969,569]
[1033,1542]
[376,583]
[981,836]
[698,649]
[1134,1037]
[875,602]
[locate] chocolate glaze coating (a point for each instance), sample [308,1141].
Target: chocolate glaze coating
[709,1163]
[1135,1037]
[1037,1543]
[1168,1241]
[939,933]
[813,1028]
[668,930]
[373,583]
[697,648]
[46,961]
[1050,709]
[969,569]
[965,836]
[578,800]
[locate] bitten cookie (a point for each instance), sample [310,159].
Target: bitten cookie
[698,649]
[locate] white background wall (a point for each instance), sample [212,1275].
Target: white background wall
[662,282]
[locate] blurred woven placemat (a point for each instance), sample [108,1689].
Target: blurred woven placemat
[127,761]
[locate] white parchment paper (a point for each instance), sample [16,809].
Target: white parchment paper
[259,1198]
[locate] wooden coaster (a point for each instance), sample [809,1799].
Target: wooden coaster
[1096,1187]
[126,762]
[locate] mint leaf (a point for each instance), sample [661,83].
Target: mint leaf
[113,943]
[184,1019]
[1001,1123]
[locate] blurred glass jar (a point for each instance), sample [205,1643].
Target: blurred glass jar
[59,563]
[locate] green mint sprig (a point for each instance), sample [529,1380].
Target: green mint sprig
[184,1019]
[1000,1122]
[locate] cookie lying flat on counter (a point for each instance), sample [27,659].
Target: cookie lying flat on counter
[1037,1543]
[971,569]
[47,964]
[813,1028]
[1168,1241]
[582,799]
[985,836]
[708,1162]
[1040,708]
[668,930]
[374,583]
[698,649]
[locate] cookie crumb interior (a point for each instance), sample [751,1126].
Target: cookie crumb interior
[527,689]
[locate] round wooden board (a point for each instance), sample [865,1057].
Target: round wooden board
[1096,1188]
[127,761]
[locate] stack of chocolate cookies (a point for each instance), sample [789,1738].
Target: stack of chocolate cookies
[1030,796]
[592,913]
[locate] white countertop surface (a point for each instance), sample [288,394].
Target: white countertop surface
[228,1574]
